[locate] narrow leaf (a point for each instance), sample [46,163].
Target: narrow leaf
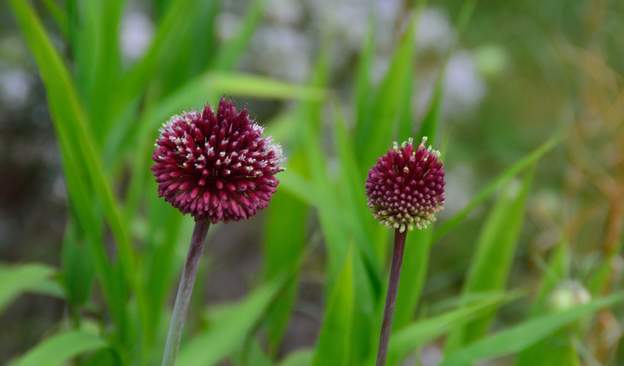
[61,348]
[519,337]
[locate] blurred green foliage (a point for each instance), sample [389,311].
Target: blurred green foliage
[120,250]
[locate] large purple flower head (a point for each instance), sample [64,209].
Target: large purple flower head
[405,188]
[216,166]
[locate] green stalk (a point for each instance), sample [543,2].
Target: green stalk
[185,290]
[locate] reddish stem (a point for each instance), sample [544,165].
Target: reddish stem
[185,289]
[395,272]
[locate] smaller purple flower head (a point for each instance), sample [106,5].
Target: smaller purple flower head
[216,166]
[405,187]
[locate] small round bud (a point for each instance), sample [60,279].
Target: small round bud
[405,188]
[569,294]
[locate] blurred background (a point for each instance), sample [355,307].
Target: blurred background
[518,73]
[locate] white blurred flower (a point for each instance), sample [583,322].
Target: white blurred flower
[434,32]
[463,86]
[137,31]
[281,52]
[15,86]
[227,25]
[459,188]
[284,11]
[569,294]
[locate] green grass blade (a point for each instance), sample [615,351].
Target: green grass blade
[78,272]
[68,115]
[58,15]
[413,274]
[557,349]
[334,341]
[431,121]
[18,279]
[164,228]
[284,240]
[195,50]
[166,41]
[229,329]
[416,334]
[493,256]
[363,86]
[493,187]
[376,134]
[81,162]
[298,358]
[60,348]
[231,52]
[519,337]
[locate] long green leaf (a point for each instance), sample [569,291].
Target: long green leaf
[229,329]
[68,115]
[494,253]
[376,133]
[233,49]
[334,342]
[61,348]
[557,349]
[493,187]
[521,336]
[414,335]
[17,279]
[281,246]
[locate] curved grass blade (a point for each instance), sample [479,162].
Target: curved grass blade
[416,334]
[493,256]
[230,328]
[494,186]
[16,279]
[231,52]
[519,337]
[61,348]
[334,342]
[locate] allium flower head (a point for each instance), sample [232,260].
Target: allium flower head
[216,166]
[405,188]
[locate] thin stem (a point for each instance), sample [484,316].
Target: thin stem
[395,272]
[185,289]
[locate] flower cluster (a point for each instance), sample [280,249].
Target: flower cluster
[405,188]
[216,166]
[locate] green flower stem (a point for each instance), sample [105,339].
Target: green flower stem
[185,290]
[395,272]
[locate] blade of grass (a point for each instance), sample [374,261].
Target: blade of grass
[363,85]
[76,140]
[431,121]
[284,240]
[58,15]
[174,23]
[298,358]
[493,187]
[78,272]
[558,348]
[17,279]
[519,337]
[68,115]
[229,328]
[231,52]
[375,134]
[60,348]
[494,253]
[416,334]
[334,341]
